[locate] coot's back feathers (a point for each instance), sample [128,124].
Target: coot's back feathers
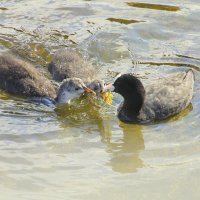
[167,96]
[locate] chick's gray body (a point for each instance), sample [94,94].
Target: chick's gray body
[67,64]
[21,78]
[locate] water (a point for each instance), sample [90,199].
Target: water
[89,154]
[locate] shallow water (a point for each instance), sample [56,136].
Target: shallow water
[89,154]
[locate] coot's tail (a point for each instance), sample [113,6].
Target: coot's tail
[189,74]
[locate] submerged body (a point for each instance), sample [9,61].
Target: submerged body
[159,100]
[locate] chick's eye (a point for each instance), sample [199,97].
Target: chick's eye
[76,89]
[97,86]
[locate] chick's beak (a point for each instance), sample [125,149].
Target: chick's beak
[88,90]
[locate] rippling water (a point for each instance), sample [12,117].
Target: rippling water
[45,154]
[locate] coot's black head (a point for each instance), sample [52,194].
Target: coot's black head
[133,93]
[127,85]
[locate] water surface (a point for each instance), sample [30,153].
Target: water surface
[89,154]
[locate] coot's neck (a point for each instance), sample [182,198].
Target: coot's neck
[131,107]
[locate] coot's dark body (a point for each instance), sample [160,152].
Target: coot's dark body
[159,100]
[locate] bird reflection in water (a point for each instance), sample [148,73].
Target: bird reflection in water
[124,151]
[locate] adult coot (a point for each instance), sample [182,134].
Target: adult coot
[159,100]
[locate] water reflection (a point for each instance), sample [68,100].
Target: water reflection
[82,109]
[124,21]
[125,153]
[123,142]
[3,8]
[93,145]
[154,6]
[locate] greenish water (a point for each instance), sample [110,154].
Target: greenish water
[89,154]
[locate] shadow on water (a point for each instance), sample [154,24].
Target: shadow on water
[154,6]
